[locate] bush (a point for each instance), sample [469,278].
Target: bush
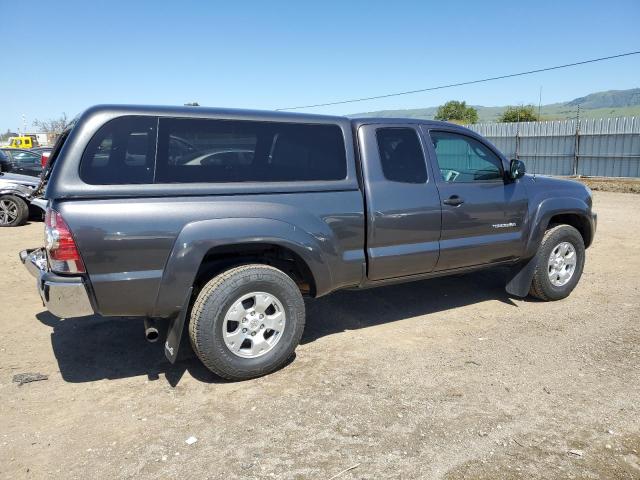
[523,113]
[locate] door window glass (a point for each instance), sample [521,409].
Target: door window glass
[465,159]
[401,157]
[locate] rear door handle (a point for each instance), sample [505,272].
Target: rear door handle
[453,200]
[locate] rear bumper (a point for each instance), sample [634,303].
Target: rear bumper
[65,297]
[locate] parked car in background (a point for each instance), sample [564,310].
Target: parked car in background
[15,193]
[23,162]
[221,158]
[44,152]
[41,150]
[225,247]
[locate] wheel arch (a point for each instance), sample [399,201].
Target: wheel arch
[24,195]
[223,257]
[204,248]
[577,221]
[555,211]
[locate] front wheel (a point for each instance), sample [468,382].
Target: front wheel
[247,321]
[560,261]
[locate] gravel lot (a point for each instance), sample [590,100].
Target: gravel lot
[447,378]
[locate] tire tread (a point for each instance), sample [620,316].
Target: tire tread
[537,289]
[223,284]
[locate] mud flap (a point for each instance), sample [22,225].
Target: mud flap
[520,277]
[176,327]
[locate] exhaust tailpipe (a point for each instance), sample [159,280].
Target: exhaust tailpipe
[151,332]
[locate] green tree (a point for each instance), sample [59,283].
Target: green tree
[457,112]
[522,113]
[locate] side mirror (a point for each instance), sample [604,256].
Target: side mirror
[516,169]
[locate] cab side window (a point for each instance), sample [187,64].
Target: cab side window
[463,159]
[121,152]
[401,155]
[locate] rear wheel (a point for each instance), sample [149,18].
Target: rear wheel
[247,321]
[14,211]
[559,265]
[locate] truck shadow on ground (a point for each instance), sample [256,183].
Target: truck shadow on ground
[352,310]
[95,348]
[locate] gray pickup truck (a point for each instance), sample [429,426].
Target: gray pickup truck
[221,221]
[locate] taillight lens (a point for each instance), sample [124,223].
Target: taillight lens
[63,253]
[44,158]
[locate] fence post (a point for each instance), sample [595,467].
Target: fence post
[576,145]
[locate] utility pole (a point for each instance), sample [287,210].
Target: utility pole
[535,155]
[518,137]
[539,102]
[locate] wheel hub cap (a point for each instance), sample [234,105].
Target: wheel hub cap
[562,264]
[254,324]
[8,211]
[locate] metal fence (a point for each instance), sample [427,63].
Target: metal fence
[605,147]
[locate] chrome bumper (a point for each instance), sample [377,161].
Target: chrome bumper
[65,297]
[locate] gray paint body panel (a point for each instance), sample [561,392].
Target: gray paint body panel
[153,247]
[403,218]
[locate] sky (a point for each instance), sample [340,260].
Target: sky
[70,55]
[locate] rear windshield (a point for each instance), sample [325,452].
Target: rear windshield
[124,151]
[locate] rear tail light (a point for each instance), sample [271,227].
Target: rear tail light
[44,158]
[64,256]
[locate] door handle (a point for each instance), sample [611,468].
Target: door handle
[453,200]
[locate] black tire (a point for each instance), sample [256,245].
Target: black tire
[541,286]
[217,297]
[21,210]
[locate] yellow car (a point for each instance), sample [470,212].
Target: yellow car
[20,142]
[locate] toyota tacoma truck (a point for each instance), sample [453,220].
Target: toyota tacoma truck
[220,222]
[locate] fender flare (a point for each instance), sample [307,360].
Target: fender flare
[521,274]
[547,209]
[199,237]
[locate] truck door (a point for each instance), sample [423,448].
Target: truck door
[482,212]
[403,206]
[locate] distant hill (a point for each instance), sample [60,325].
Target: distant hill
[612,103]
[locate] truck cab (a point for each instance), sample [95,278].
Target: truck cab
[459,208]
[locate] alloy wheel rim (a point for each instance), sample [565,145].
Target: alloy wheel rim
[562,264]
[254,324]
[8,212]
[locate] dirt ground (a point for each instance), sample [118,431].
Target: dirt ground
[622,185]
[440,379]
